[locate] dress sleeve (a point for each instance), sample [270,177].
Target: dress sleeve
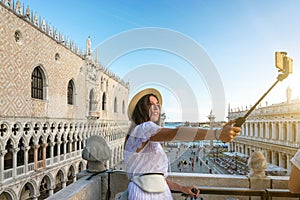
[141,133]
[296,159]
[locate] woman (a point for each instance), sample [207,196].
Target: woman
[144,157]
[294,183]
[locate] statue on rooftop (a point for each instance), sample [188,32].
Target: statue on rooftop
[88,46]
[18,7]
[27,12]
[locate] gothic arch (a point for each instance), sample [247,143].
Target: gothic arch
[71,92]
[104,101]
[32,186]
[9,194]
[59,179]
[92,100]
[71,175]
[49,181]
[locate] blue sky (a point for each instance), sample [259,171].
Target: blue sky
[240,38]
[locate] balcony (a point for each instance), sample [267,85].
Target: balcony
[107,185]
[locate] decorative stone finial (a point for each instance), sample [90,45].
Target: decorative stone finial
[257,164]
[96,152]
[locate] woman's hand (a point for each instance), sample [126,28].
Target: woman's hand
[191,191]
[229,132]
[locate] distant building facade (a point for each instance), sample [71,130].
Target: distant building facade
[53,96]
[273,129]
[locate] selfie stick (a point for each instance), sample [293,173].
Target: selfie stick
[284,64]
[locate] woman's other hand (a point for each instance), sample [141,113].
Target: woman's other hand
[191,191]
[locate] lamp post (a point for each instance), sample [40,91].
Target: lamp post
[211,118]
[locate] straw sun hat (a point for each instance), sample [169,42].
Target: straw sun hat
[139,95]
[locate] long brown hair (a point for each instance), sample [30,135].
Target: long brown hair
[140,113]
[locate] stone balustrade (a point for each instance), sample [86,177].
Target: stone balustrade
[91,187]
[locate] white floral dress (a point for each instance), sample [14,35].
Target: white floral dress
[151,159]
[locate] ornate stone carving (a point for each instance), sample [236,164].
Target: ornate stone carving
[92,72]
[96,152]
[257,164]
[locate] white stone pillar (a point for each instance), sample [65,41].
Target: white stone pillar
[273,158]
[35,156]
[280,155]
[44,154]
[2,154]
[70,146]
[58,150]
[51,191]
[14,151]
[280,127]
[267,130]
[51,152]
[75,146]
[297,133]
[65,149]
[26,149]
[273,131]
[290,132]
[64,183]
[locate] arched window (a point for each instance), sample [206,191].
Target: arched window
[116,105]
[70,92]
[123,107]
[104,101]
[92,101]
[37,84]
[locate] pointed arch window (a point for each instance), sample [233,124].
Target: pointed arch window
[92,101]
[116,105]
[70,94]
[123,107]
[37,83]
[104,101]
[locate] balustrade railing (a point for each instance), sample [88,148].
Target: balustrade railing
[30,167]
[20,170]
[8,173]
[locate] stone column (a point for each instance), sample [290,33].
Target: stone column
[297,133]
[280,127]
[14,151]
[35,156]
[251,130]
[51,152]
[51,190]
[291,132]
[267,130]
[65,149]
[75,146]
[64,183]
[256,129]
[273,158]
[79,145]
[26,149]
[273,133]
[289,164]
[44,154]
[2,154]
[58,150]
[280,160]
